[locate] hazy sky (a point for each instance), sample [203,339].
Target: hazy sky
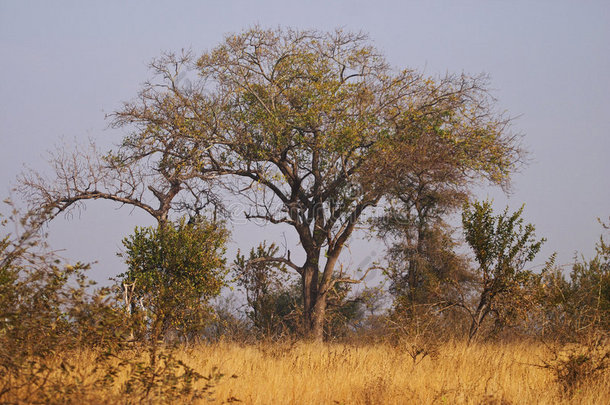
[64,65]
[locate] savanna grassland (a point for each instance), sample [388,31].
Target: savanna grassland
[382,374]
[310,130]
[305,373]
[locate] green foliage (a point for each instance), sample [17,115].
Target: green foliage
[502,246]
[264,283]
[46,311]
[581,303]
[175,269]
[49,316]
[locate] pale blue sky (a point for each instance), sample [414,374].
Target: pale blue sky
[63,65]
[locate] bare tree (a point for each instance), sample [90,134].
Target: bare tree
[158,176]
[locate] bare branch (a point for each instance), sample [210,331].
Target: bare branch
[283,260]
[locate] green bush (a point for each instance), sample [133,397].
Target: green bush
[173,271]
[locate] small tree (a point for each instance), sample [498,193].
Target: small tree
[422,194]
[502,246]
[174,270]
[266,287]
[425,269]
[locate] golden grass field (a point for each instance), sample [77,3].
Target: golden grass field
[306,373]
[380,374]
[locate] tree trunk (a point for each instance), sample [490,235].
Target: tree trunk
[316,285]
[310,293]
[314,296]
[318,317]
[479,315]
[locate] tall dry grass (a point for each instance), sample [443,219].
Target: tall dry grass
[383,374]
[305,373]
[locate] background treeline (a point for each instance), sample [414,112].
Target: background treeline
[50,311]
[432,286]
[433,290]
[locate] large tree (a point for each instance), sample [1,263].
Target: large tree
[311,129]
[313,122]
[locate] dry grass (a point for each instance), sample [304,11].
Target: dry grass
[301,373]
[380,374]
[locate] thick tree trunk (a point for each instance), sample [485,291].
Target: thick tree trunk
[318,318]
[316,287]
[316,284]
[310,295]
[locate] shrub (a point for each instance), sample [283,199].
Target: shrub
[173,271]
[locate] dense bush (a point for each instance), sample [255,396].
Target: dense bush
[173,272]
[50,314]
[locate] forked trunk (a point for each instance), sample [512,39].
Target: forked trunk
[316,285]
[479,316]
